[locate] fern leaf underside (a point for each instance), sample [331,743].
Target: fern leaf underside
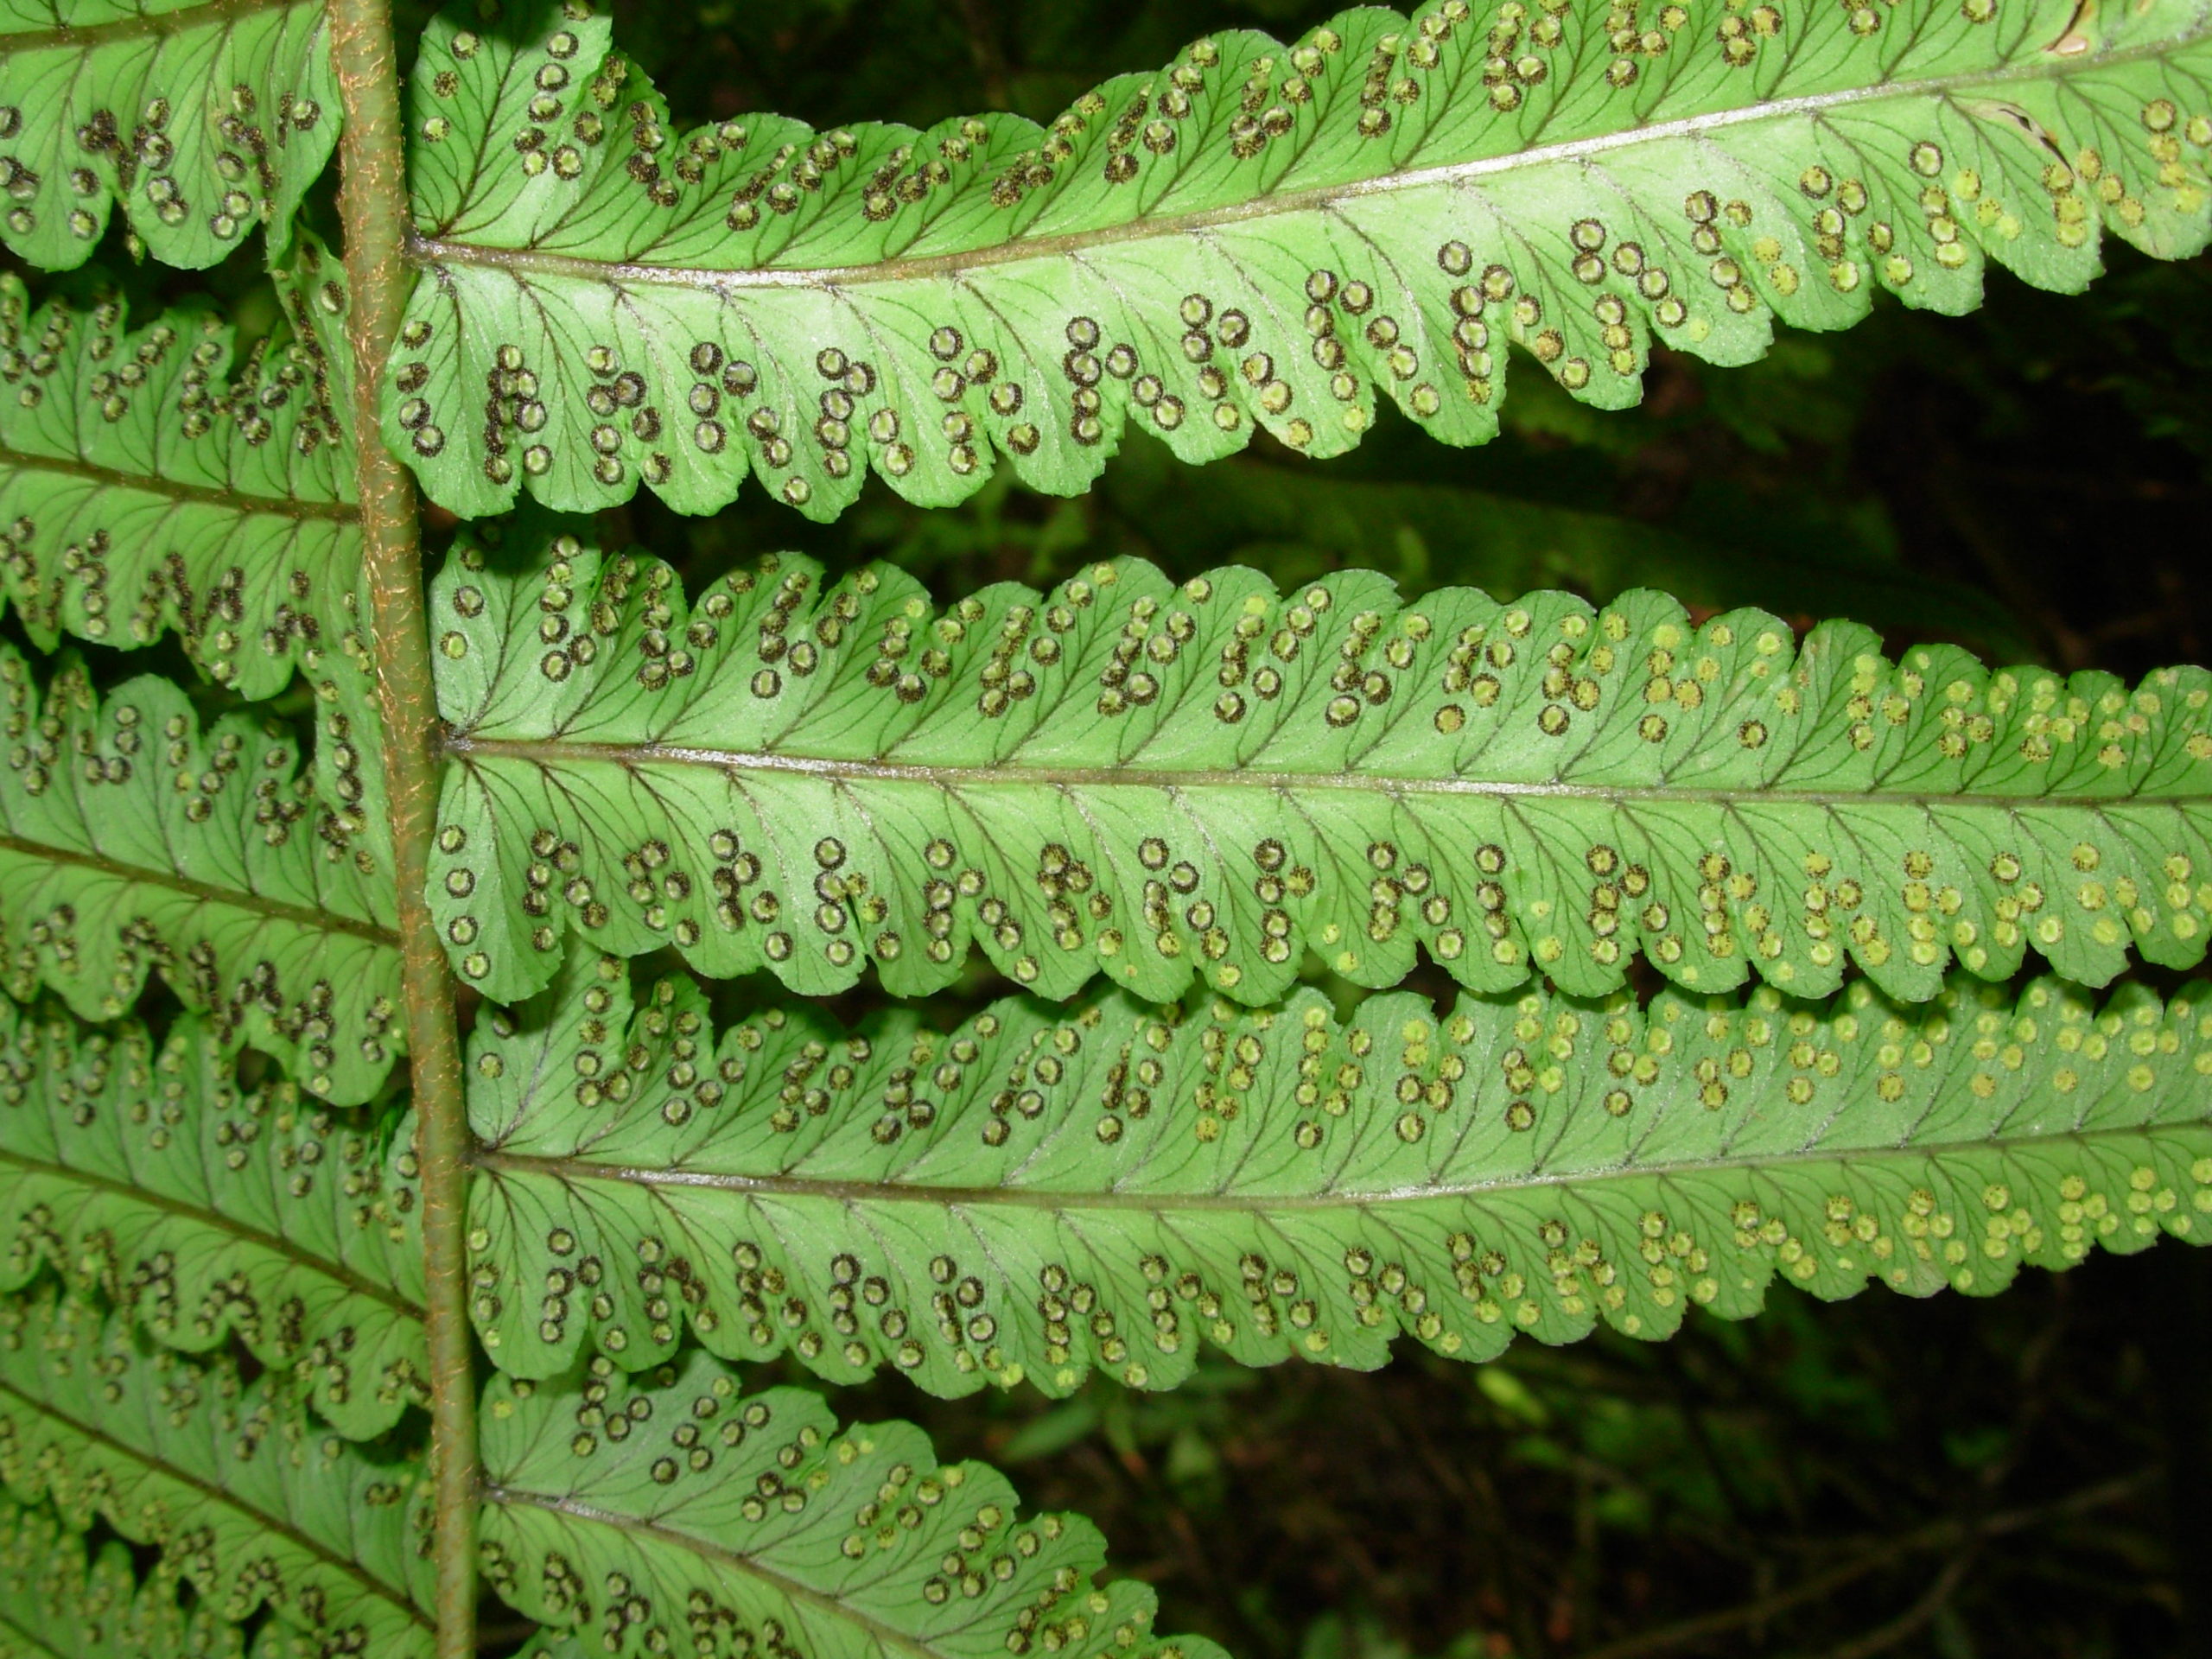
[645,1506]
[56,1602]
[1044,1191]
[149,487]
[132,842]
[641,1509]
[247,1498]
[201,121]
[671,1513]
[1197,790]
[1257,238]
[150,484]
[206,1211]
[1166,784]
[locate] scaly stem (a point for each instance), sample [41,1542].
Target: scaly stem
[373,200]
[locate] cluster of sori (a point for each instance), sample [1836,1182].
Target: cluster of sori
[388,1236]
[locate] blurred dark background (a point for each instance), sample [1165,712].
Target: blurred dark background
[1960,1479]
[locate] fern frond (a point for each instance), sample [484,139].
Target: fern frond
[58,1603]
[245,1497]
[130,841]
[1044,1191]
[1258,236]
[147,1173]
[203,120]
[1164,783]
[672,1514]
[150,483]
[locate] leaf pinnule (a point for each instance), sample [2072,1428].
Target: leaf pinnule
[203,120]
